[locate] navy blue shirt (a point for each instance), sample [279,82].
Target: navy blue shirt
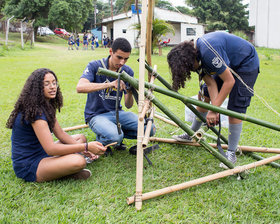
[237,53]
[104,100]
[26,147]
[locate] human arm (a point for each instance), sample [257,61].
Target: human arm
[217,98]
[45,138]
[128,99]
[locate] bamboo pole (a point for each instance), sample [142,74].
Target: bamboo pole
[75,127]
[190,100]
[257,157]
[145,109]
[202,180]
[224,146]
[148,130]
[147,102]
[165,120]
[140,131]
[149,33]
[154,73]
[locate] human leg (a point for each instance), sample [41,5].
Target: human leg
[196,124]
[129,125]
[105,128]
[52,168]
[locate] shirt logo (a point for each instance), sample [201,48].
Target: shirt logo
[86,70]
[217,62]
[107,94]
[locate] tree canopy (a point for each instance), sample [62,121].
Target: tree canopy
[68,14]
[220,14]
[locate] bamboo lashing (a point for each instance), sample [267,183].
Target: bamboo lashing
[224,146]
[147,102]
[238,169]
[145,109]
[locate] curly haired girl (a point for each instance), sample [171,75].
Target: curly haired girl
[35,155]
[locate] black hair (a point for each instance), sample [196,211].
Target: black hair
[32,101]
[121,44]
[181,60]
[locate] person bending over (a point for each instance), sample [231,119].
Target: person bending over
[212,57]
[35,155]
[100,109]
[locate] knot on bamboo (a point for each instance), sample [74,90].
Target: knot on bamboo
[150,96]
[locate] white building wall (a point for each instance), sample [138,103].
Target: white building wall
[126,21]
[120,26]
[264,16]
[177,37]
[199,31]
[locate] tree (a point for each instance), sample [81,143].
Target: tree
[37,10]
[163,4]
[70,14]
[104,11]
[2,4]
[220,14]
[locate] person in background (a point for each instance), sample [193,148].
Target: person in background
[71,42]
[92,42]
[96,42]
[77,41]
[220,59]
[35,155]
[85,41]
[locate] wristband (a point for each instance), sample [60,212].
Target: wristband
[86,147]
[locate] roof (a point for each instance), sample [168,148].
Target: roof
[167,15]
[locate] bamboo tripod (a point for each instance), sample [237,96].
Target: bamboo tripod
[200,141]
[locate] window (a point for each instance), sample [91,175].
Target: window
[124,30]
[191,31]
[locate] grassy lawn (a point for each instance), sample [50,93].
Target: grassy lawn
[102,198]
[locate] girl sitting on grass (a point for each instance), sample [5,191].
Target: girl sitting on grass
[35,155]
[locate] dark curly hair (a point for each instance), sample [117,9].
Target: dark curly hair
[32,101]
[181,60]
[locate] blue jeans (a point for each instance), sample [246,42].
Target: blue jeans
[105,127]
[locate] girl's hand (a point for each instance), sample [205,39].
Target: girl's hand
[90,155]
[96,148]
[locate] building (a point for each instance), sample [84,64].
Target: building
[263,15]
[186,27]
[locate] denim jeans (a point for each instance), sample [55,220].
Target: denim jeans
[105,127]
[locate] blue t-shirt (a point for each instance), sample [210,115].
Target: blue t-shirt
[237,53]
[104,100]
[25,145]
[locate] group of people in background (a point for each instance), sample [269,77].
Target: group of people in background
[88,39]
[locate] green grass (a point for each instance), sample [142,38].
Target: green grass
[102,198]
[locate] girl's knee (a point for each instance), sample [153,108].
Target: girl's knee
[78,161]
